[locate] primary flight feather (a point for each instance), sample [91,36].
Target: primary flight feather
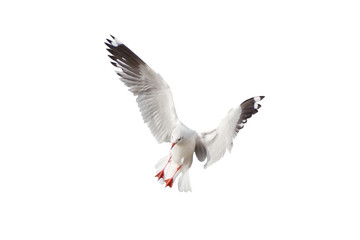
[156,105]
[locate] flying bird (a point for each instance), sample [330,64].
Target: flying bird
[157,108]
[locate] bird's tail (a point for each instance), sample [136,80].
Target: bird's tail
[184,182]
[168,171]
[161,163]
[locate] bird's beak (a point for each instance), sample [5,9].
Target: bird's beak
[172,145]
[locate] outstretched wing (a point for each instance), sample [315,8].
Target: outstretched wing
[218,140]
[153,93]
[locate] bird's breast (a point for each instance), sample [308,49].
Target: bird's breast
[182,152]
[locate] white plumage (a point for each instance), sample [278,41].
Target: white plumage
[154,99]
[156,105]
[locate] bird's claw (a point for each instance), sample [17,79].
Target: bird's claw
[169,182]
[160,174]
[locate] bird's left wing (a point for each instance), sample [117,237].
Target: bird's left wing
[154,96]
[218,140]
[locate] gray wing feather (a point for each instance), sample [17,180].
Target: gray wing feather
[218,140]
[200,150]
[154,96]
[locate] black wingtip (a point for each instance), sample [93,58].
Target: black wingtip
[262,97]
[113,63]
[108,45]
[112,36]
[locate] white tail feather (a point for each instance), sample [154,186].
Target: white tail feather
[161,163]
[184,182]
[170,170]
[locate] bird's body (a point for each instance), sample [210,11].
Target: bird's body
[180,157]
[186,147]
[157,108]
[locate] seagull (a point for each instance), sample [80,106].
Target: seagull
[156,105]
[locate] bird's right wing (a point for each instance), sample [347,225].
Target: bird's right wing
[218,140]
[154,96]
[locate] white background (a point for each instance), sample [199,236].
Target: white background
[77,162]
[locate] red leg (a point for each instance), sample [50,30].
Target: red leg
[161,173]
[169,182]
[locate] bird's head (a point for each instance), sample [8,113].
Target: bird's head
[181,134]
[177,136]
[175,140]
